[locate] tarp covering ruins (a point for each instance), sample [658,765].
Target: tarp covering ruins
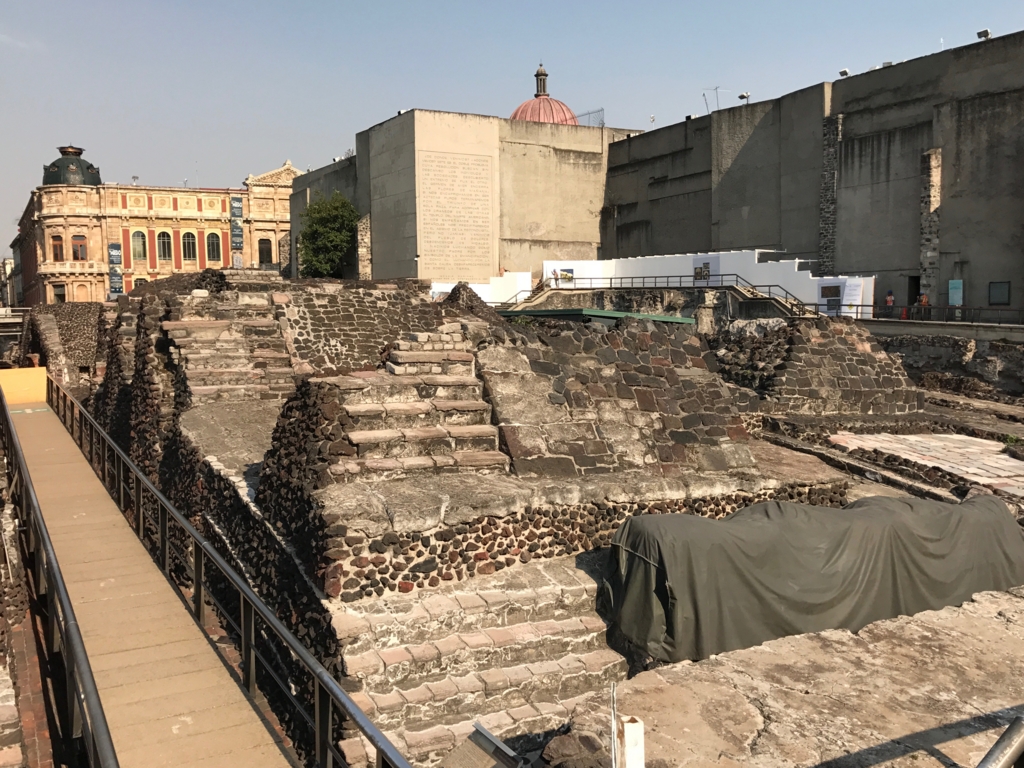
[685,587]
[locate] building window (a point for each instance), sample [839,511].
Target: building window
[57,246]
[188,246]
[138,246]
[163,246]
[266,251]
[213,247]
[59,294]
[78,248]
[999,293]
[141,281]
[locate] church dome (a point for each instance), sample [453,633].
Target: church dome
[542,108]
[70,168]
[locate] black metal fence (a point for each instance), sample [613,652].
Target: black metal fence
[990,315]
[181,551]
[83,717]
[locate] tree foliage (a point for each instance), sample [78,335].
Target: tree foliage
[327,244]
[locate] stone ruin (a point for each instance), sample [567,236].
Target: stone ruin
[423,492]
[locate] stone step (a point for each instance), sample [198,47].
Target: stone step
[386,388]
[405,358]
[498,689]
[556,589]
[372,416]
[446,367]
[229,391]
[429,746]
[380,469]
[217,376]
[406,667]
[429,440]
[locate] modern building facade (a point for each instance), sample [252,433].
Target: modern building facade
[82,240]
[910,172]
[449,196]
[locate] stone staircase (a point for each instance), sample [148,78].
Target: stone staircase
[516,651]
[424,412]
[233,359]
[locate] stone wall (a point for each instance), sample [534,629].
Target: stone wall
[337,327]
[819,367]
[68,338]
[931,200]
[577,399]
[832,134]
[998,364]
[111,403]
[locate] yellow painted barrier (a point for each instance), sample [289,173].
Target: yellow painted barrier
[23,385]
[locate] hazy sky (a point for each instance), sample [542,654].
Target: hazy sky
[212,91]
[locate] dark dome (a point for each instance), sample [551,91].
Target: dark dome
[70,168]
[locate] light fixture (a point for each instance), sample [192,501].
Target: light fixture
[745,96]
[984,34]
[844,73]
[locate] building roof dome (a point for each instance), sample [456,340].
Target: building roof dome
[70,168]
[542,108]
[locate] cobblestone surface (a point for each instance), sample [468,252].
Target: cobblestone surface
[976,461]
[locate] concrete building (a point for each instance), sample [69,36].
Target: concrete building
[82,240]
[448,196]
[910,172]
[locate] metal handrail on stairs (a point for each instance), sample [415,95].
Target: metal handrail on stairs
[767,291]
[130,488]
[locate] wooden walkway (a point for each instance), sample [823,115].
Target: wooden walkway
[169,698]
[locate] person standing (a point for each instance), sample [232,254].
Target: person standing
[890,301]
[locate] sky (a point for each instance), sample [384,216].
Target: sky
[169,90]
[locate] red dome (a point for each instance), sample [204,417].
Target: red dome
[542,108]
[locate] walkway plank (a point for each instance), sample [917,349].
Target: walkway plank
[168,696]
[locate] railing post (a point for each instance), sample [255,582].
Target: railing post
[248,652]
[164,544]
[37,557]
[119,472]
[74,714]
[198,575]
[53,642]
[324,758]
[140,528]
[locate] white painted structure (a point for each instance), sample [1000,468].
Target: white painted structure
[835,295]
[498,290]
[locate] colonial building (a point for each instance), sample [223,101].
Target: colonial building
[82,240]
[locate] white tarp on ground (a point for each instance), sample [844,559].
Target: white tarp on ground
[837,295]
[497,291]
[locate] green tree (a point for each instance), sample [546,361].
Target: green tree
[327,243]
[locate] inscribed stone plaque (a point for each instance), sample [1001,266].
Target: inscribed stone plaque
[455,212]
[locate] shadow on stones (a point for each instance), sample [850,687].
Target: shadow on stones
[926,741]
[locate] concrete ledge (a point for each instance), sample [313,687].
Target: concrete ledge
[978,331]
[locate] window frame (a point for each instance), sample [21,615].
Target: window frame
[213,237]
[189,247]
[79,248]
[64,293]
[1006,303]
[140,254]
[57,247]
[162,239]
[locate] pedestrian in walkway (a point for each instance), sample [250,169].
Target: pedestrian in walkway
[890,300]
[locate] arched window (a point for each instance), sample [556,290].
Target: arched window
[57,247]
[78,248]
[213,247]
[138,247]
[188,246]
[266,252]
[81,292]
[163,246]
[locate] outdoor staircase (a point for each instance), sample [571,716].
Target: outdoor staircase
[424,412]
[516,651]
[235,359]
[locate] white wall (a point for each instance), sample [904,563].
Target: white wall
[785,274]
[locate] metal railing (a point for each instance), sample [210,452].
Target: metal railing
[83,712]
[660,281]
[156,517]
[939,314]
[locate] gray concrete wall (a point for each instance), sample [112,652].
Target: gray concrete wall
[658,192]
[392,194]
[552,191]
[339,176]
[740,178]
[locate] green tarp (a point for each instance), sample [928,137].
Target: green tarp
[685,587]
